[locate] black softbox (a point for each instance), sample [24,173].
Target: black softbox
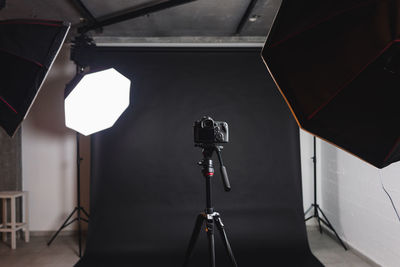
[27,51]
[337,63]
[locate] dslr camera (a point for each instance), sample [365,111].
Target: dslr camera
[208,131]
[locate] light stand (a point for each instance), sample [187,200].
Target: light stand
[315,205]
[210,216]
[93,101]
[78,209]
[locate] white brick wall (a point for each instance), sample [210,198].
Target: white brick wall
[352,197]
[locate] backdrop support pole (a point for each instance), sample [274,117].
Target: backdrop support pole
[315,206]
[78,209]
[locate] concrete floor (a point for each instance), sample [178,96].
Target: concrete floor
[63,252]
[331,253]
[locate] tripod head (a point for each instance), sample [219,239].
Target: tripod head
[206,162]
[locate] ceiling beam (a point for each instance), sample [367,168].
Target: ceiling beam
[131,14]
[246,16]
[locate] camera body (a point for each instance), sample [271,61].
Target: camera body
[208,131]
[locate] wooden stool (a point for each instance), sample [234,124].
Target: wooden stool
[13,226]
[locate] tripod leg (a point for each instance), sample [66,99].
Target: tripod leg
[329,225]
[225,240]
[211,243]
[62,226]
[194,237]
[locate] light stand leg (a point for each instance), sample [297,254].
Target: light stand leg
[319,224]
[65,224]
[329,225]
[77,209]
[309,209]
[85,212]
[309,218]
[316,207]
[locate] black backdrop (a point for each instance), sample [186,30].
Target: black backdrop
[146,188]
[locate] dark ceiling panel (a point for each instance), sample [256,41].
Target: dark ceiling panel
[101,8]
[202,17]
[217,18]
[43,9]
[264,12]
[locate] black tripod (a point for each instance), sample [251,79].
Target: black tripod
[315,205]
[78,209]
[210,216]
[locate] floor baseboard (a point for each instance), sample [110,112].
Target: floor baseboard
[50,233]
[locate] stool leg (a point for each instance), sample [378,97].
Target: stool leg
[26,216]
[4,218]
[13,224]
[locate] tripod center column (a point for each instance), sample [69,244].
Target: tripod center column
[208,172]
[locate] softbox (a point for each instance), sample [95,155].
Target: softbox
[337,64]
[27,51]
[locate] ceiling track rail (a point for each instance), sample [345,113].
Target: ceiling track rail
[192,41]
[131,14]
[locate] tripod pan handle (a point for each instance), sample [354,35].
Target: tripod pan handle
[225,179]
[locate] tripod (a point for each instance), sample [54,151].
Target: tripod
[210,216]
[316,207]
[78,209]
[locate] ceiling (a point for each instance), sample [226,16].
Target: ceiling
[202,18]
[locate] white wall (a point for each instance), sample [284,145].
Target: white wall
[48,152]
[352,197]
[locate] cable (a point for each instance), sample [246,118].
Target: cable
[390,198]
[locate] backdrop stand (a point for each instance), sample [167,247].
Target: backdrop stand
[315,205]
[78,209]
